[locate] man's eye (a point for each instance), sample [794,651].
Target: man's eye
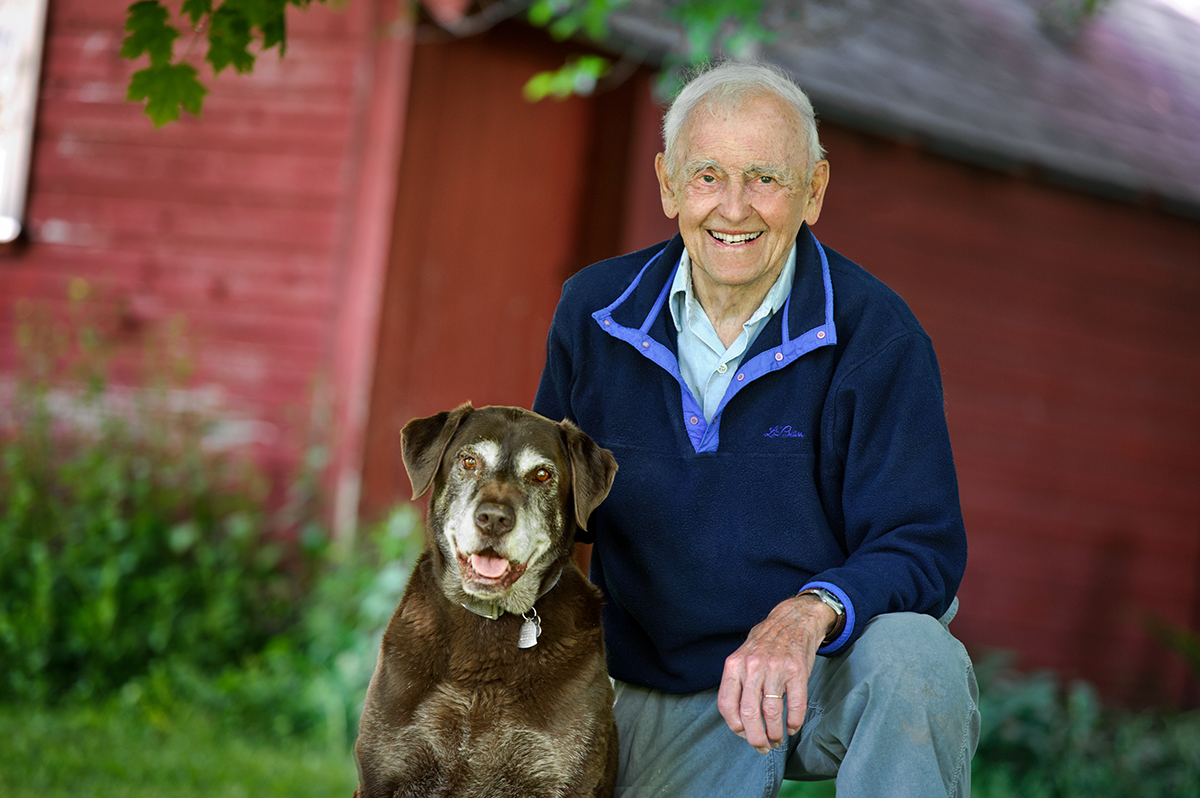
[707,179]
[766,179]
[468,462]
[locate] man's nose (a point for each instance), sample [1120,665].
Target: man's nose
[736,202]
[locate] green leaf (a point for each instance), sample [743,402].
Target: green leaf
[541,12]
[594,17]
[149,32]
[166,89]
[196,10]
[229,37]
[565,18]
[274,31]
[576,77]
[182,537]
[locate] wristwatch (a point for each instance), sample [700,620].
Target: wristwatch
[828,599]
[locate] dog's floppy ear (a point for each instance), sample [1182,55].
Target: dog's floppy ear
[592,471]
[423,441]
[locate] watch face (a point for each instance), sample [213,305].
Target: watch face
[829,599]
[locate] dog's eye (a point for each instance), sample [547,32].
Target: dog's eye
[468,462]
[542,475]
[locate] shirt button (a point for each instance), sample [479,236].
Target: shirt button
[695,420]
[779,356]
[607,322]
[721,369]
[741,376]
[645,344]
[820,333]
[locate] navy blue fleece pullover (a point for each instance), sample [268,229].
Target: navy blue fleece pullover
[827,464]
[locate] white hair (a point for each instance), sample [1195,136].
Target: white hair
[729,84]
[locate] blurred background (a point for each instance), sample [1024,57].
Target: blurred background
[212,332]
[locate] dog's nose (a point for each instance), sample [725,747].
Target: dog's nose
[493,518]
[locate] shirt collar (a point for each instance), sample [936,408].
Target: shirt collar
[684,305]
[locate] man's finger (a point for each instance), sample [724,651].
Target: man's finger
[772,713]
[797,705]
[750,709]
[729,698]
[752,720]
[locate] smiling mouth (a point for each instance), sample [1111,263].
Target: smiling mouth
[734,239]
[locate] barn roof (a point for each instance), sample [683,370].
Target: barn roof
[1112,107]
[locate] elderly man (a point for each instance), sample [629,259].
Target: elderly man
[782,546]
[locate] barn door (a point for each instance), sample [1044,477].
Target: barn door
[499,200]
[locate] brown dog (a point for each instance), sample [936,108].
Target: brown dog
[491,680]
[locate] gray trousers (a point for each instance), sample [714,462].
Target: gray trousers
[895,714]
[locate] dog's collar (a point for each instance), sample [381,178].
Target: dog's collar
[492,611]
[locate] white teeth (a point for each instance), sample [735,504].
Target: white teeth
[740,238]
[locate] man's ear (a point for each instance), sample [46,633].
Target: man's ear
[816,192]
[423,441]
[592,471]
[670,203]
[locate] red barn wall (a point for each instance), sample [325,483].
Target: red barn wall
[241,221]
[1068,336]
[499,200]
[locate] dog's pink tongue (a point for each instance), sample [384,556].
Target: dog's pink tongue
[490,567]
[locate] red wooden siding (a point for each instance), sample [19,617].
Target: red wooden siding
[499,200]
[1069,342]
[241,221]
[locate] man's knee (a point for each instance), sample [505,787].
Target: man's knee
[905,694]
[911,659]
[911,646]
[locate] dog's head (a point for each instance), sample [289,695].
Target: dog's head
[509,488]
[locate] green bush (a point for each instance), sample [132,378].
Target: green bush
[1040,739]
[121,541]
[141,566]
[309,681]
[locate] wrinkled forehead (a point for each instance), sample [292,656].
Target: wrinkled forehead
[510,438]
[763,120]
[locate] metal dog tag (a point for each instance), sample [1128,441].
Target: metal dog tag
[531,630]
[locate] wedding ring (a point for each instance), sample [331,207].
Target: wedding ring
[768,695]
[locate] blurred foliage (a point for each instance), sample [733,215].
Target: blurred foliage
[232,31]
[711,28]
[121,540]
[139,564]
[1173,637]
[1041,739]
[310,680]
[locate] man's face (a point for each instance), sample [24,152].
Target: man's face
[740,193]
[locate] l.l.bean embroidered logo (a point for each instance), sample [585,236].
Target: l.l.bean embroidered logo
[783,431]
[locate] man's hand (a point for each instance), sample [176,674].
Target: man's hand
[772,667]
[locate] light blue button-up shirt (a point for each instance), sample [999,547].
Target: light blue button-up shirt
[706,364]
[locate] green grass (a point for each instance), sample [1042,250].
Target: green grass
[118,752]
[807,789]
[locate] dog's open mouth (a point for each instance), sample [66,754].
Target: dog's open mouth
[489,570]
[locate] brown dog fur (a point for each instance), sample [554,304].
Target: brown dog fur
[455,708]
